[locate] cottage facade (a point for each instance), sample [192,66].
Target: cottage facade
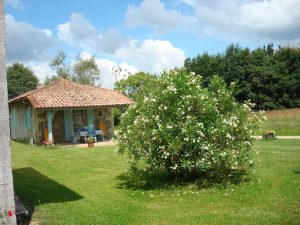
[57,112]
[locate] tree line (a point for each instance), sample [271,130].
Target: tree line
[268,76]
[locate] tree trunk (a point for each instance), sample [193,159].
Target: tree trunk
[7,205]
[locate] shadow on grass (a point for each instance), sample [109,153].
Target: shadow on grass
[35,188]
[150,180]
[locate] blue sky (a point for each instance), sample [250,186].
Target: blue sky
[144,35]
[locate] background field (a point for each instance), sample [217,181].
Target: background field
[283,121]
[91,186]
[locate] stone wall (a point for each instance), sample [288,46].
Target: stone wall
[107,119]
[40,118]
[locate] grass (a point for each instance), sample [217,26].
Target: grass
[91,186]
[283,121]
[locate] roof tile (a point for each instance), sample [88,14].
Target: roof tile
[67,94]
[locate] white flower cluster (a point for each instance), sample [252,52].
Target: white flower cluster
[232,121]
[204,147]
[192,81]
[199,124]
[186,139]
[162,107]
[230,137]
[172,88]
[174,167]
[200,133]
[169,126]
[248,105]
[247,143]
[223,154]
[187,97]
[156,118]
[165,155]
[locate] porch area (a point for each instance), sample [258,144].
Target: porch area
[73,126]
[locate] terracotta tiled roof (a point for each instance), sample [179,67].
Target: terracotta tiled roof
[66,94]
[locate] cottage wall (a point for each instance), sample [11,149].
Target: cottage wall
[107,119]
[21,121]
[58,126]
[40,123]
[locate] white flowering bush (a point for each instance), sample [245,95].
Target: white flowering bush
[185,128]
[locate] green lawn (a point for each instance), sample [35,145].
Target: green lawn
[84,186]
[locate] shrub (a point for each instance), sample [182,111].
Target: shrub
[185,128]
[117,116]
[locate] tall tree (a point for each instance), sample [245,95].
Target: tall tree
[60,66]
[7,205]
[287,66]
[20,79]
[135,86]
[86,71]
[210,65]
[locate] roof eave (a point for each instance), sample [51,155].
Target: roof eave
[21,99]
[81,107]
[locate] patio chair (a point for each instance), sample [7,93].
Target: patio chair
[84,133]
[76,136]
[99,135]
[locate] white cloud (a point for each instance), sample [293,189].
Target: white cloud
[78,31]
[41,70]
[152,56]
[107,78]
[29,44]
[266,20]
[85,55]
[24,42]
[153,13]
[126,70]
[106,66]
[47,32]
[16,4]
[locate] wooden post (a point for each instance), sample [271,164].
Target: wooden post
[49,121]
[68,124]
[7,204]
[91,118]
